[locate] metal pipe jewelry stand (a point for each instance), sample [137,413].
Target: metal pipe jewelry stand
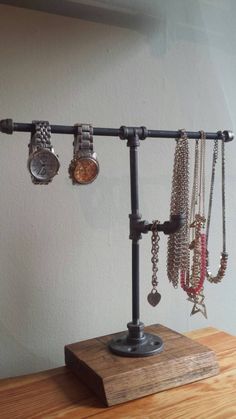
[191,361]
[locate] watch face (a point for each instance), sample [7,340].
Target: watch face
[43,165]
[86,170]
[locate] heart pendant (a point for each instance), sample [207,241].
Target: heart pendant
[154,298]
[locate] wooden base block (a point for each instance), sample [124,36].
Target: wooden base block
[117,379]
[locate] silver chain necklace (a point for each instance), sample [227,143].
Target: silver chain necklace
[154,296]
[177,251]
[224,255]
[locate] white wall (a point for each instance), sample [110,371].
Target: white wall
[64,250]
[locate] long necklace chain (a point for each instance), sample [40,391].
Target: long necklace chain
[177,253]
[224,255]
[192,280]
[173,248]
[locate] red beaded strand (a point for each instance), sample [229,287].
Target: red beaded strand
[184,278]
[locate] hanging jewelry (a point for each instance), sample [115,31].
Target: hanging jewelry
[224,255]
[84,166]
[173,251]
[193,284]
[154,296]
[43,163]
[177,253]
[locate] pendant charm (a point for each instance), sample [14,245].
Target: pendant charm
[198,304]
[154,298]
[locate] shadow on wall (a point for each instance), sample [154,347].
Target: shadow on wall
[19,309]
[147,18]
[17,359]
[161,21]
[134,14]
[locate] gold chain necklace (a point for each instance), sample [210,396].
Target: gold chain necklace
[192,281]
[177,249]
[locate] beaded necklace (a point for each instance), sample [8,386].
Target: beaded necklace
[224,255]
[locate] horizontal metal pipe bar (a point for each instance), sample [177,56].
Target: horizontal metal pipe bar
[190,134]
[8,126]
[66,129]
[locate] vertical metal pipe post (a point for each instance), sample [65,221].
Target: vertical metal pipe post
[136,343]
[135,240]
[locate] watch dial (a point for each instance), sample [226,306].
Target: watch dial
[86,170]
[44,165]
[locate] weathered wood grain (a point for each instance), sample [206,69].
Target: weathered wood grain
[59,394]
[118,379]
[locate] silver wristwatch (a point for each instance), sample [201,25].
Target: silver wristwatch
[84,167]
[43,163]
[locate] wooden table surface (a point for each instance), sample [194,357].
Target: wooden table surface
[58,393]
